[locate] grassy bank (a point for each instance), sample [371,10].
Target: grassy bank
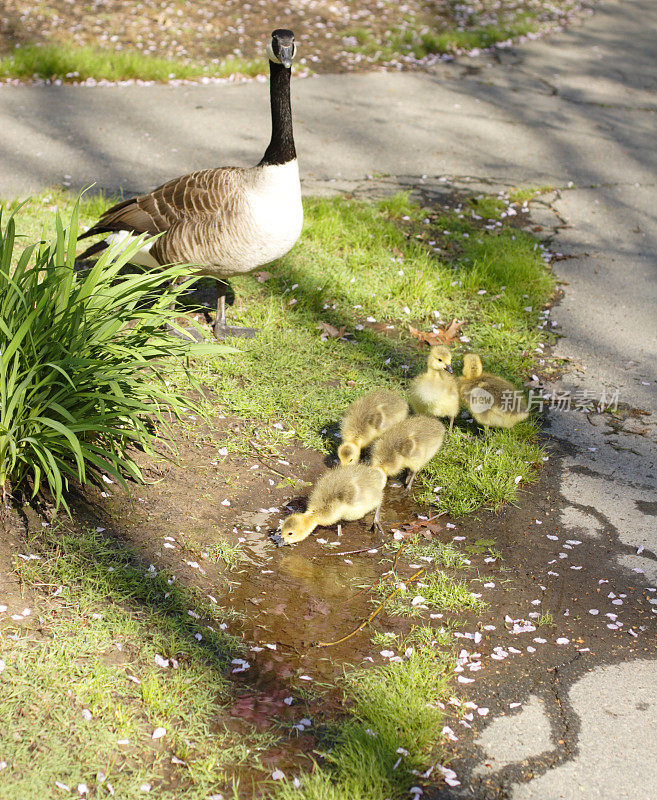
[70,63]
[122,650]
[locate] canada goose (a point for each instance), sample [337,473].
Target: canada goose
[435,392]
[367,418]
[344,492]
[409,444]
[228,220]
[491,400]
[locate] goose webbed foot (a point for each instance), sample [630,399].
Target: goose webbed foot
[376,522]
[222,331]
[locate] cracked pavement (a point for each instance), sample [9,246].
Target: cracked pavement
[576,112]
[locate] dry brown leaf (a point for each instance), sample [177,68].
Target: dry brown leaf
[331,330]
[441,336]
[452,332]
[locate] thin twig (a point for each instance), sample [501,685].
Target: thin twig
[371,616]
[359,592]
[401,547]
[349,552]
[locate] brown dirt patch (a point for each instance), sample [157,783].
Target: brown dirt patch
[206,31]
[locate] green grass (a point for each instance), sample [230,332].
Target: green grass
[490,469]
[433,551]
[545,620]
[221,551]
[441,592]
[111,617]
[71,63]
[418,40]
[357,260]
[392,728]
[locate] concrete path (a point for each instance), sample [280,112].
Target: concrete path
[577,111]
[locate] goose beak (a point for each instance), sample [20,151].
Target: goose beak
[286,54]
[449,369]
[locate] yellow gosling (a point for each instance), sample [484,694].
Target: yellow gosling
[435,392]
[492,401]
[410,445]
[343,493]
[366,419]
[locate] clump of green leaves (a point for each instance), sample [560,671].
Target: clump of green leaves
[80,386]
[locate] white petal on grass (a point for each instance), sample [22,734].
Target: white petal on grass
[158,733]
[278,775]
[62,786]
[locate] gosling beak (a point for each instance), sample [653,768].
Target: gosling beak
[286,54]
[449,369]
[277,539]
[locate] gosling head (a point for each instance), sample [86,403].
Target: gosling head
[472,366]
[281,48]
[349,453]
[440,358]
[297,527]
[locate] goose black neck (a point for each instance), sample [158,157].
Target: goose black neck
[281,147]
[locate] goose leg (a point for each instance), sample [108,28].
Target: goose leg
[451,424]
[376,524]
[221,330]
[409,483]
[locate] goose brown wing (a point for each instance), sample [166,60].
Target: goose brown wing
[196,196]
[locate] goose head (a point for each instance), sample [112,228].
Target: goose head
[281,48]
[472,367]
[349,453]
[297,527]
[439,359]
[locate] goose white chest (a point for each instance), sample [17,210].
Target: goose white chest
[273,215]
